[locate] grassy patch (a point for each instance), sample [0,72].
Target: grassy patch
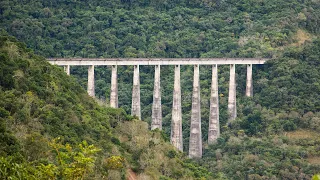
[314,160]
[302,134]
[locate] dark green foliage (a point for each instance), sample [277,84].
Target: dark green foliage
[292,81]
[269,157]
[115,141]
[156,28]
[256,145]
[172,154]
[166,29]
[9,145]
[286,89]
[42,103]
[253,123]
[10,169]
[40,100]
[45,93]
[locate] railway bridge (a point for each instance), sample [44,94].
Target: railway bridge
[195,141]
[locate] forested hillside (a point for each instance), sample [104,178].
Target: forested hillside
[51,129]
[276,133]
[150,28]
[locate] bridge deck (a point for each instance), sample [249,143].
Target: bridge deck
[154,61]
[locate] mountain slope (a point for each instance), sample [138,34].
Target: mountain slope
[149,28]
[286,90]
[183,28]
[50,128]
[276,135]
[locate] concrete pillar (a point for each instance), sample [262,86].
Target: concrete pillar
[114,88]
[214,127]
[176,123]
[249,86]
[135,108]
[67,69]
[91,81]
[195,141]
[232,102]
[156,106]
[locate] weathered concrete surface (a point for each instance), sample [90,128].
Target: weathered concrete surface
[156,106]
[91,81]
[195,141]
[249,86]
[154,61]
[67,69]
[214,127]
[232,102]
[114,88]
[136,108]
[176,123]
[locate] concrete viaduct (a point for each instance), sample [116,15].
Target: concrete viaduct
[195,142]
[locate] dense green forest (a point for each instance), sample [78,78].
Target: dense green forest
[275,135]
[51,129]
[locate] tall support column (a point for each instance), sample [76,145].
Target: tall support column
[214,127]
[249,86]
[176,123]
[67,69]
[91,81]
[156,106]
[232,102]
[90,89]
[114,87]
[195,141]
[135,108]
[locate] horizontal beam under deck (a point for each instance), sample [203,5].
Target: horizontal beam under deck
[153,61]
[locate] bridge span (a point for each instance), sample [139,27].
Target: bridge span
[153,61]
[195,141]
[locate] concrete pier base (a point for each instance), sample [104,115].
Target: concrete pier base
[232,102]
[176,123]
[67,69]
[214,126]
[114,87]
[136,108]
[195,141]
[90,88]
[249,86]
[156,106]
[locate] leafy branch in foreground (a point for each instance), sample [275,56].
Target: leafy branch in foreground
[72,163]
[316,177]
